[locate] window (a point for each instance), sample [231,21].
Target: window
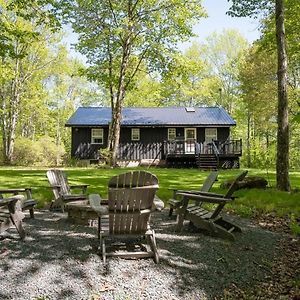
[210,134]
[135,134]
[97,136]
[171,134]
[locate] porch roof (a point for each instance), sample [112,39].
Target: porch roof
[153,116]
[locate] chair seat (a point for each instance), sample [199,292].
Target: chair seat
[174,202]
[199,211]
[28,203]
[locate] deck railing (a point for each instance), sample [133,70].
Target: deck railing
[138,151]
[229,147]
[159,150]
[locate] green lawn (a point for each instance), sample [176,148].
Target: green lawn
[248,201]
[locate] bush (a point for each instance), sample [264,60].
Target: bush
[43,152]
[27,152]
[52,155]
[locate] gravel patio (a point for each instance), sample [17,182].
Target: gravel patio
[59,260]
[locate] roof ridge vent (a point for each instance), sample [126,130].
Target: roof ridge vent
[190,109]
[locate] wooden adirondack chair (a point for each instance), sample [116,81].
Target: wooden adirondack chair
[11,214]
[130,203]
[175,203]
[212,222]
[28,203]
[62,190]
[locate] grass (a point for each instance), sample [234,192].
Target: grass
[247,203]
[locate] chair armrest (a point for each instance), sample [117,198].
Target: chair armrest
[95,202]
[11,202]
[205,198]
[158,204]
[208,194]
[12,191]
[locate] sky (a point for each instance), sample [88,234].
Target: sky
[216,21]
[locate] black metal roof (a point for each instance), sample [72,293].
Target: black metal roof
[153,116]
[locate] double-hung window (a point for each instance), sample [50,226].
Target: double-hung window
[97,136]
[171,134]
[211,134]
[135,134]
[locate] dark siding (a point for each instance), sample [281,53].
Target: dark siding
[179,132]
[223,133]
[81,143]
[200,134]
[83,149]
[147,135]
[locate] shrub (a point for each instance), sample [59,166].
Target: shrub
[43,152]
[26,152]
[52,155]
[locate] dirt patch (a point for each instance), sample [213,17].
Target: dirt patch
[283,280]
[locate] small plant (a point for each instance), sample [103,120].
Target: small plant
[105,154]
[295,225]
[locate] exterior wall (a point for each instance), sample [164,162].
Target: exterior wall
[222,132]
[81,146]
[149,146]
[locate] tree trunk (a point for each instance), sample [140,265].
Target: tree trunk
[118,104]
[248,140]
[10,116]
[282,164]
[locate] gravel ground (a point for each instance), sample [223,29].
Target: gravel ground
[58,260]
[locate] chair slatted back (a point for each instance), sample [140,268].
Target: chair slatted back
[209,181]
[58,177]
[233,187]
[130,199]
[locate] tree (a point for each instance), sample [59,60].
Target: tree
[258,87]
[187,81]
[252,8]
[223,52]
[20,31]
[118,37]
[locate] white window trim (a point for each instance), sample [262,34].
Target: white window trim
[169,130]
[135,139]
[190,128]
[215,135]
[100,136]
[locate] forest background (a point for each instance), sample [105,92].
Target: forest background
[41,86]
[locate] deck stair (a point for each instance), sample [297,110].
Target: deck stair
[207,161]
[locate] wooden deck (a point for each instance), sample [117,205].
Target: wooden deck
[183,153]
[212,155]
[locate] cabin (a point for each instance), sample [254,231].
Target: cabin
[174,136]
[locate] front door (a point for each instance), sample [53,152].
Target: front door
[190,139]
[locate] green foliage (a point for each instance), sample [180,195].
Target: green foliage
[223,53]
[147,29]
[252,8]
[105,154]
[43,152]
[295,225]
